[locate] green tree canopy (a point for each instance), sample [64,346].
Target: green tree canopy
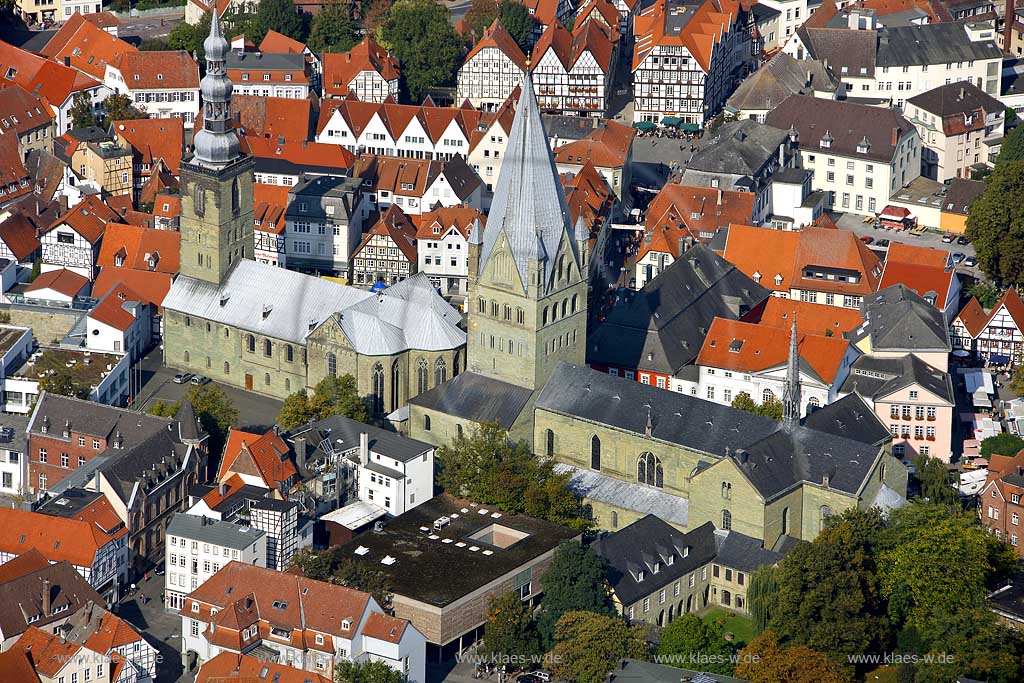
[480,15]
[280,16]
[1012,148]
[771,408]
[295,410]
[517,21]
[82,113]
[333,29]
[66,382]
[764,660]
[935,479]
[589,645]
[164,409]
[216,412]
[576,580]
[995,225]
[981,648]
[118,107]
[317,565]
[689,635]
[986,294]
[361,576]
[760,596]
[419,33]
[366,671]
[1001,444]
[510,633]
[331,396]
[485,467]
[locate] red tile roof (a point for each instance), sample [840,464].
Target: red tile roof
[30,561]
[973,317]
[151,286]
[228,667]
[435,224]
[22,111]
[17,667]
[133,247]
[56,82]
[496,36]
[57,538]
[152,140]
[265,456]
[340,69]
[383,627]
[19,234]
[85,46]
[398,228]
[14,177]
[810,318]
[268,218]
[89,218]
[102,19]
[159,70]
[921,279]
[681,211]
[67,282]
[705,29]
[588,196]
[272,117]
[300,153]
[167,206]
[275,42]
[49,652]
[232,485]
[110,311]
[607,147]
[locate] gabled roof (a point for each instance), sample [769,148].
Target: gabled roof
[973,317]
[89,219]
[131,246]
[810,318]
[849,417]
[496,36]
[395,225]
[228,667]
[21,597]
[956,98]
[18,667]
[671,23]
[607,146]
[49,652]
[158,70]
[278,42]
[57,538]
[100,630]
[781,77]
[271,117]
[384,627]
[899,319]
[113,309]
[19,235]
[340,69]
[848,53]
[67,282]
[588,195]
[590,36]
[960,192]
[877,378]
[298,155]
[462,219]
[266,456]
[153,140]
[14,178]
[926,271]
[150,286]
[681,211]
[85,46]
[22,111]
[56,82]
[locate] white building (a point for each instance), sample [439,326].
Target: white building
[265,74]
[442,246]
[196,549]
[492,69]
[121,322]
[792,13]
[572,71]
[321,227]
[417,186]
[13,464]
[73,242]
[367,72]
[163,84]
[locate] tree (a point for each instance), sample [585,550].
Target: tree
[338,396]
[37,267]
[363,577]
[690,636]
[760,594]
[1001,444]
[481,15]
[119,107]
[5,317]
[216,412]
[375,13]
[995,224]
[588,646]
[164,409]
[295,410]
[986,294]
[366,671]
[280,16]
[970,643]
[934,478]
[771,408]
[575,581]
[1017,381]
[419,33]
[765,661]
[517,21]
[333,29]
[314,565]
[510,635]
[82,112]
[190,38]
[1012,148]
[828,591]
[65,382]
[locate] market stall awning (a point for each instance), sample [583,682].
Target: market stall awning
[689,127]
[895,213]
[644,125]
[673,121]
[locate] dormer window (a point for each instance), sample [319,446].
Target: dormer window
[288,77]
[864,145]
[245,76]
[671,560]
[319,639]
[757,276]
[826,140]
[640,575]
[657,567]
[346,624]
[778,280]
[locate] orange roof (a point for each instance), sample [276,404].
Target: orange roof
[264,456]
[763,254]
[936,11]
[56,82]
[705,29]
[1014,306]
[232,485]
[435,224]
[14,177]
[30,561]
[607,146]
[587,195]
[22,111]
[228,667]
[920,256]
[542,11]
[268,218]
[102,19]
[89,218]
[101,514]
[340,69]
[49,652]
[275,42]
[85,46]
[392,173]
[300,153]
[57,538]
[67,282]
[150,285]
[396,226]
[112,631]
[747,347]
[810,318]
[920,278]
[681,211]
[167,205]
[496,36]
[142,248]
[158,70]
[384,627]
[273,117]
[973,317]
[152,140]
[276,195]
[17,667]
[19,234]
[110,311]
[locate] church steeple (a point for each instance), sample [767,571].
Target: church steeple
[216,145]
[791,392]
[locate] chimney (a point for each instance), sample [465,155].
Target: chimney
[961,95]
[46,598]
[299,444]
[364,447]
[719,198]
[742,455]
[222,488]
[895,136]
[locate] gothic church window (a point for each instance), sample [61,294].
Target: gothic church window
[440,372]
[649,470]
[422,376]
[595,453]
[332,365]
[378,388]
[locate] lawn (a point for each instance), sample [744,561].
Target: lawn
[741,627]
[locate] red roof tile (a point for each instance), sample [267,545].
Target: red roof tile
[67,282]
[279,43]
[17,667]
[14,178]
[158,70]
[383,627]
[435,224]
[110,311]
[228,667]
[89,218]
[26,563]
[57,538]
[154,139]
[167,206]
[810,318]
[397,226]
[607,147]
[49,652]
[19,234]
[300,153]
[973,317]
[151,286]
[496,36]
[681,211]
[265,456]
[85,46]
[133,247]
[56,82]
[340,69]
[22,111]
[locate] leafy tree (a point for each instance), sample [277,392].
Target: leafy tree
[333,29]
[981,648]
[216,412]
[82,113]
[37,267]
[986,294]
[1010,117]
[480,15]
[366,671]
[295,410]
[5,317]
[588,646]
[154,45]
[164,409]
[118,107]
[1017,380]
[691,635]
[828,591]
[760,594]
[517,21]
[765,661]
[1012,148]
[279,15]
[338,396]
[66,383]
[510,633]
[771,408]
[363,577]
[995,224]
[575,581]
[1002,443]
[419,33]
[314,565]
[936,484]
[375,13]
[485,467]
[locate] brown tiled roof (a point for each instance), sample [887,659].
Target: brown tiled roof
[299,153]
[167,205]
[85,46]
[30,561]
[588,195]
[154,139]
[17,667]
[495,35]
[49,652]
[607,147]
[21,598]
[228,667]
[268,218]
[67,282]
[340,69]
[460,218]
[22,111]
[89,218]
[158,70]
[396,226]
[973,317]
[57,538]
[681,211]
[133,244]
[102,19]
[150,285]
[384,627]
[14,179]
[273,117]
[56,82]
[19,234]
[263,455]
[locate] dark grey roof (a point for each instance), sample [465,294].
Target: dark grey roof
[649,500]
[854,50]
[636,671]
[189,427]
[342,434]
[931,44]
[846,123]
[762,12]
[792,175]
[22,598]
[772,457]
[244,497]
[744,553]
[662,327]
[461,176]
[12,432]
[738,148]
[69,503]
[269,61]
[849,417]
[778,79]
[1008,600]
[213,531]
[274,504]
[570,127]
[320,191]
[476,398]
[646,543]
[876,378]
[960,192]
[956,98]
[150,464]
[899,319]
[93,419]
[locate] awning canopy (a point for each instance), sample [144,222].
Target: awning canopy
[689,127]
[671,121]
[895,213]
[998,359]
[644,125]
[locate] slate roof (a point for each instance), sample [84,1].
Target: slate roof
[742,552]
[342,433]
[647,542]
[662,327]
[22,597]
[217,532]
[880,377]
[738,148]
[849,417]
[856,51]
[899,319]
[778,79]
[627,494]
[932,44]
[476,398]
[956,98]
[529,205]
[960,192]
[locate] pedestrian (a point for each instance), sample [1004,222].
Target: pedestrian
[142,598]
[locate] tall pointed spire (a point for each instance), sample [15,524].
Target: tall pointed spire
[529,203]
[216,145]
[791,392]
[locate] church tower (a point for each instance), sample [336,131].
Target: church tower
[791,392]
[217,182]
[528,269]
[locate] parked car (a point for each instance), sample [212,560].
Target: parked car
[182,377]
[545,676]
[946,239]
[958,257]
[867,239]
[200,380]
[529,678]
[884,244]
[970,261]
[962,240]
